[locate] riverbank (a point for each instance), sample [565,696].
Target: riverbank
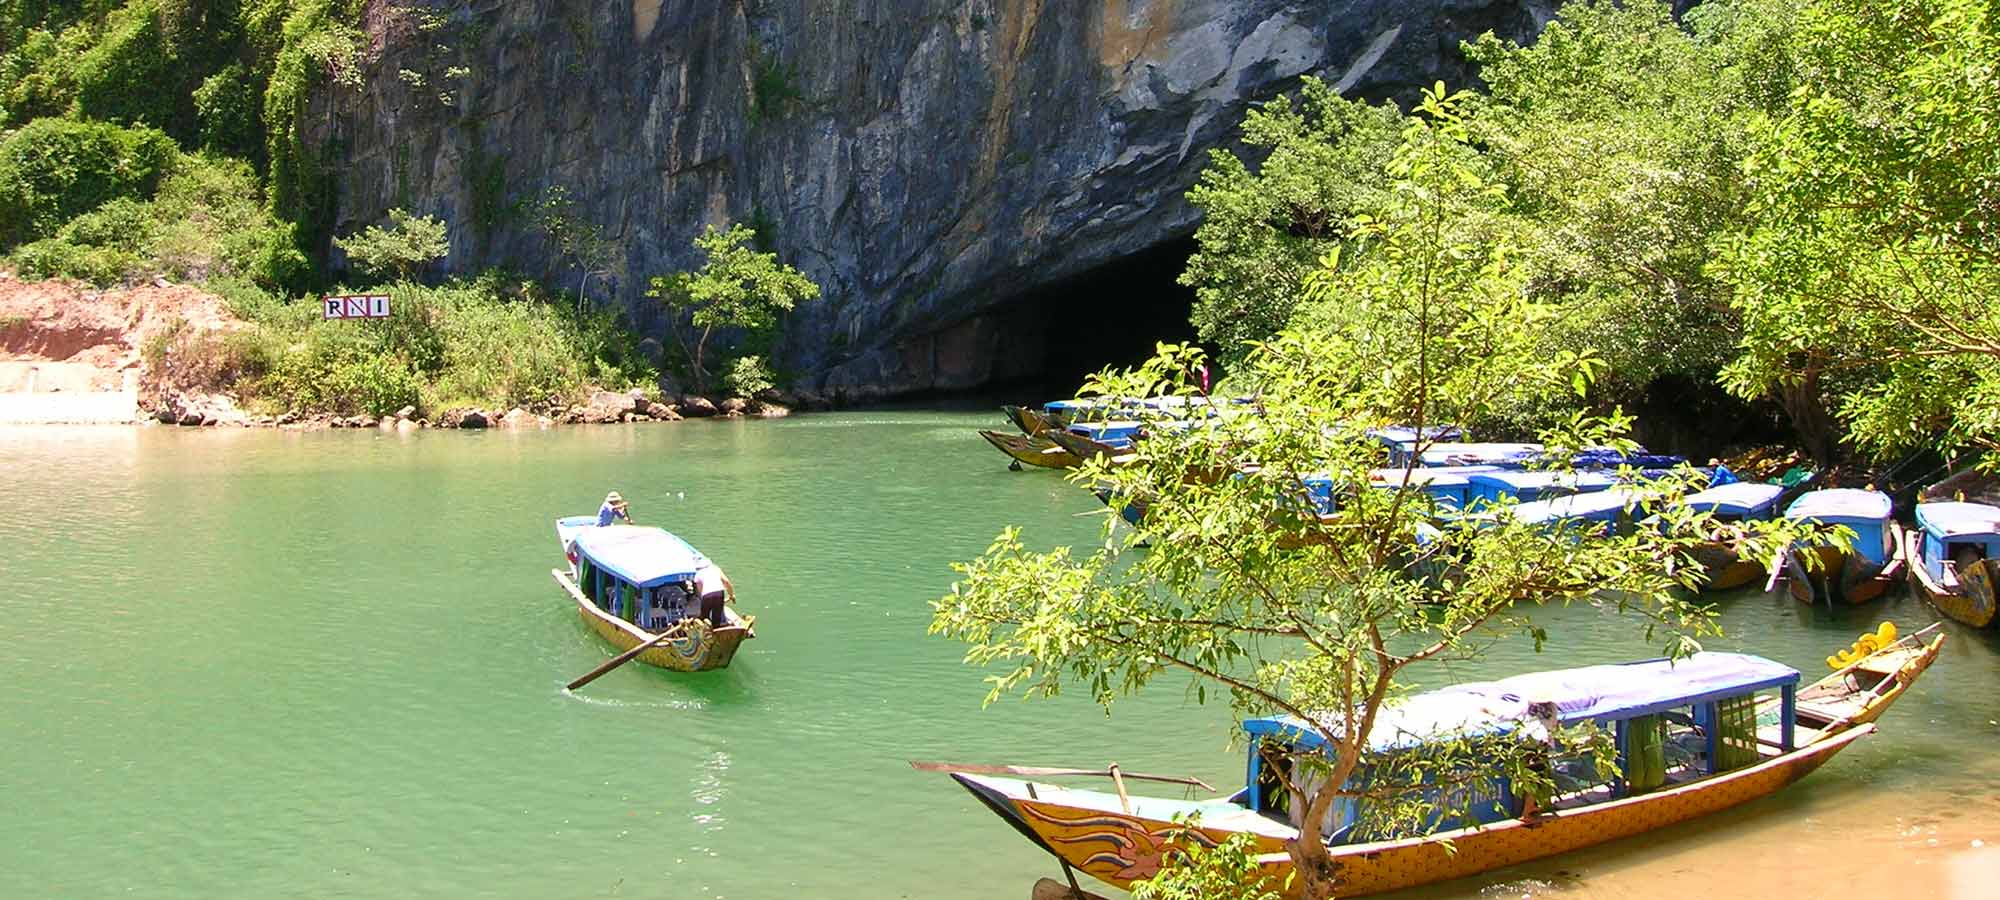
[460,356]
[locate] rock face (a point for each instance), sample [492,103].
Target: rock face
[927,162]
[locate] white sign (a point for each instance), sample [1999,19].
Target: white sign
[356,306]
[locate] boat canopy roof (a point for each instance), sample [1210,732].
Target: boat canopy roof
[1404,434]
[1456,454]
[1603,693]
[1741,499]
[1514,482]
[1102,431]
[643,555]
[1836,505]
[1599,506]
[1431,476]
[1085,403]
[1976,521]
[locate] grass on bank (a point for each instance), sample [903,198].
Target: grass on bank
[488,342]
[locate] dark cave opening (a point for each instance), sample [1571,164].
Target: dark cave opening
[1111,315]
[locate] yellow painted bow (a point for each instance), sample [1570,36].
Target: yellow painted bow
[1867,644]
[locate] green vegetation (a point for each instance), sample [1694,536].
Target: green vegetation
[1244,590]
[1869,268]
[155,138]
[1784,200]
[737,289]
[489,342]
[408,244]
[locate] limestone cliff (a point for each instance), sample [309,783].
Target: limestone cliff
[925,161]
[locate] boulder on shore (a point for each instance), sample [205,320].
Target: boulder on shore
[734,406]
[517,418]
[695,406]
[464,418]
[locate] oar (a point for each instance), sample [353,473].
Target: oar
[629,655]
[1046,771]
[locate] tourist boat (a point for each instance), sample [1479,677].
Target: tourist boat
[1401,440]
[1741,501]
[631,583]
[1499,455]
[1608,511]
[1031,422]
[1450,486]
[1112,440]
[1491,487]
[1036,451]
[1856,576]
[1953,554]
[1689,738]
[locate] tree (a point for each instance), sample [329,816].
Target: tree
[736,288]
[575,237]
[1621,132]
[1329,617]
[1262,229]
[1867,277]
[407,245]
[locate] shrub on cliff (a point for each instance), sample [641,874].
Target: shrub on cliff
[400,250]
[490,342]
[53,170]
[738,289]
[205,220]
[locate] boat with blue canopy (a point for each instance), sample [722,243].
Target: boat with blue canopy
[1722,567]
[633,583]
[1852,576]
[1401,440]
[1449,485]
[1693,736]
[1502,455]
[1491,487]
[1953,554]
[1610,511]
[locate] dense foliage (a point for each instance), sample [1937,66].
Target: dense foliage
[1869,273]
[228,78]
[487,342]
[1630,145]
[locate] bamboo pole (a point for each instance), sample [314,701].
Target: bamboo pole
[629,655]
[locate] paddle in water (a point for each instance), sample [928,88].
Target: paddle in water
[628,655]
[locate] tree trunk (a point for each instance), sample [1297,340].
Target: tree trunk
[1815,427]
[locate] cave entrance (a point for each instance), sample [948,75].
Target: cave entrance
[1111,315]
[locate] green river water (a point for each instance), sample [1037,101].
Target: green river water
[271,664]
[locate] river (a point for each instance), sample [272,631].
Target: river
[253,663]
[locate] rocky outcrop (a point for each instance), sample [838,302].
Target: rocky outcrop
[928,162]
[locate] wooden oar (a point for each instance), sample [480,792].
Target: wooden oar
[629,655]
[1049,772]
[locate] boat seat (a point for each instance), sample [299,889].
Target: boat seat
[1828,713]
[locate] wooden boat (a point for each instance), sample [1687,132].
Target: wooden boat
[1743,501]
[1858,576]
[1857,693]
[1037,451]
[1111,441]
[1954,559]
[1490,487]
[1703,707]
[631,583]
[1031,422]
[1608,511]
